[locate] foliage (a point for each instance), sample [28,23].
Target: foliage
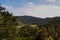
[27,31]
[24,38]
[8,25]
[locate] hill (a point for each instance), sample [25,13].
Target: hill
[36,20]
[30,19]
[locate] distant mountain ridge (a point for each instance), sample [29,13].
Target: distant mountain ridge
[36,20]
[29,19]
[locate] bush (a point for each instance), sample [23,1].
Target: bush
[24,38]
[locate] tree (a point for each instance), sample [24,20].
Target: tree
[27,31]
[8,24]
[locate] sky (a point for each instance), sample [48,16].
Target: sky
[36,8]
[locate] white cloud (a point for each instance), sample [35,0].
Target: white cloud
[31,3]
[51,0]
[43,11]
[36,10]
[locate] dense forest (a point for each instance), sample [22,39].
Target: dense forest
[27,27]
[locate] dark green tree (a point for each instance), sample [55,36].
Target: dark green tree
[27,31]
[8,24]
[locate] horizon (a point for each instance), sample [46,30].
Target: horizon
[37,17]
[36,8]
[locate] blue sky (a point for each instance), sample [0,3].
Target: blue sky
[38,8]
[20,3]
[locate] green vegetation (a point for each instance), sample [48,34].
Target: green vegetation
[8,25]
[12,29]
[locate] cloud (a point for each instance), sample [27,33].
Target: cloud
[51,0]
[35,10]
[39,11]
[43,11]
[58,1]
[31,3]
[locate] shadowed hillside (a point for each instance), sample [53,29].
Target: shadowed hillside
[30,19]
[35,20]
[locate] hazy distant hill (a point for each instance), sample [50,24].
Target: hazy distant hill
[35,20]
[30,19]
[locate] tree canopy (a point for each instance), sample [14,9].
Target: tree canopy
[8,24]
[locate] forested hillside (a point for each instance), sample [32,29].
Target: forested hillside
[50,26]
